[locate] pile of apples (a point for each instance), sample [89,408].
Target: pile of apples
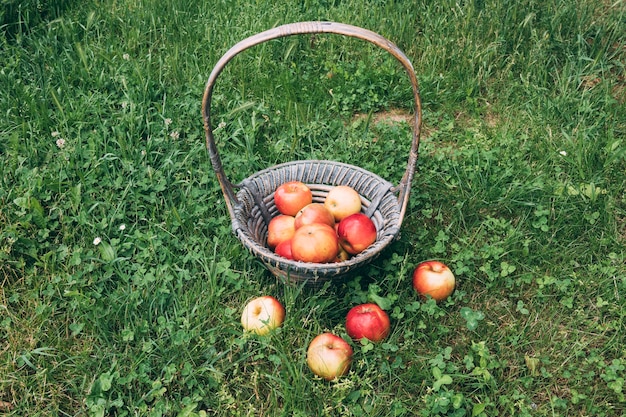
[329,356]
[331,231]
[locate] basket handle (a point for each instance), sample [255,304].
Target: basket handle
[300,28]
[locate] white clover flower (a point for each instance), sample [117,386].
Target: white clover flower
[60,143]
[168,121]
[124,104]
[97,241]
[126,57]
[222,125]
[55,133]
[122,227]
[175,135]
[563,153]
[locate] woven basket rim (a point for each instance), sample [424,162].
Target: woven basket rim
[312,162]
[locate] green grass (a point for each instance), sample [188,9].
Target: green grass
[520,189]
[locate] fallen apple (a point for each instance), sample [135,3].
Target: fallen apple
[433,279]
[262,315]
[342,201]
[291,196]
[315,242]
[356,233]
[329,356]
[314,213]
[279,229]
[368,321]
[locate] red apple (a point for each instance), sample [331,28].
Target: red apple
[342,201]
[315,243]
[434,279]
[329,356]
[291,196]
[262,315]
[280,228]
[314,213]
[356,232]
[284,249]
[369,321]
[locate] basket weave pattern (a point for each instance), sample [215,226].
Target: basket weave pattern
[252,205]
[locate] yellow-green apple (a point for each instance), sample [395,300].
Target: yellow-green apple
[279,229]
[315,242]
[342,255]
[369,321]
[329,356]
[291,196]
[262,315]
[356,232]
[284,249]
[342,201]
[434,279]
[314,213]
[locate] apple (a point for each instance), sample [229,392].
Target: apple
[280,228]
[342,255]
[356,232]
[369,321]
[291,196]
[329,356]
[262,315]
[315,242]
[314,213]
[284,249]
[342,201]
[434,279]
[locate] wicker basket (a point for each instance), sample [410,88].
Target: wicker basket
[252,206]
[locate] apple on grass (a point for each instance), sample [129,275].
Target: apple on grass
[315,242]
[291,196]
[356,233]
[262,315]
[433,279]
[280,228]
[368,321]
[342,201]
[314,213]
[329,356]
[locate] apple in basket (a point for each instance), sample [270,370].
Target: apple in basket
[279,229]
[329,356]
[342,201]
[433,279]
[262,315]
[284,249]
[368,321]
[314,213]
[315,242]
[291,196]
[356,232]
[342,255]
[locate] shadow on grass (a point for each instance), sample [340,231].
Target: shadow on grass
[20,17]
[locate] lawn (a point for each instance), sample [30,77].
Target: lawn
[122,283]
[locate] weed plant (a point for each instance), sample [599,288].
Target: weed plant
[121,280]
